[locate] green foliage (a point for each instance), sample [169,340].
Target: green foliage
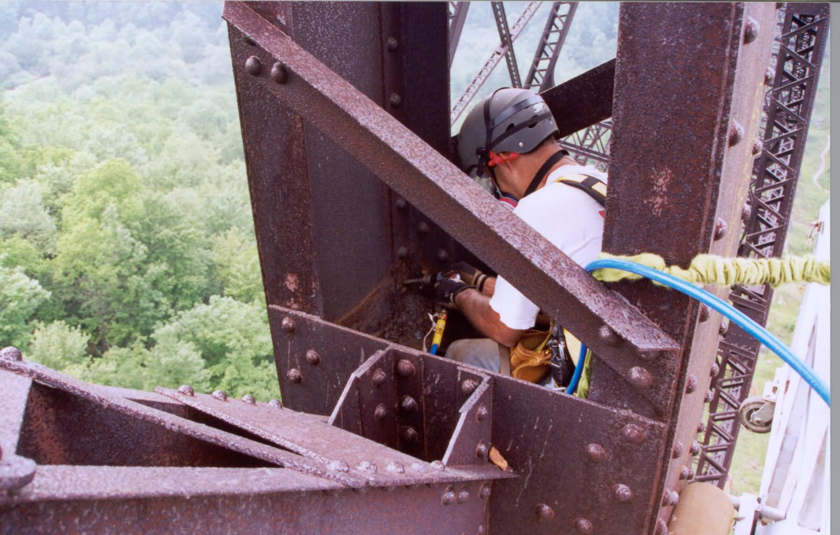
[20,296]
[238,266]
[22,213]
[58,345]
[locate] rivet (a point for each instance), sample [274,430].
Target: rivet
[544,512]
[736,133]
[583,526]
[406,368]
[714,370]
[11,353]
[438,465]
[392,44]
[288,325]
[746,212]
[380,411]
[312,357]
[709,396]
[249,399]
[622,493]
[464,495]
[481,530]
[750,30]
[367,466]
[221,395]
[691,384]
[724,326]
[596,453]
[720,229]
[395,467]
[253,66]
[769,75]
[408,404]
[481,450]
[677,451]
[276,403]
[402,252]
[409,434]
[758,146]
[705,313]
[695,448]
[423,228]
[608,335]
[701,427]
[485,491]
[378,378]
[187,390]
[468,386]
[640,377]
[684,472]
[294,375]
[442,255]
[279,73]
[670,498]
[661,527]
[482,413]
[633,433]
[395,99]
[338,466]
[449,496]
[401,203]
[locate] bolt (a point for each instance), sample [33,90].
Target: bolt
[750,30]
[276,403]
[249,399]
[464,495]
[633,433]
[279,73]
[406,368]
[746,212]
[378,377]
[640,377]
[392,44]
[449,496]
[401,203]
[714,370]
[408,404]
[705,313]
[724,326]
[709,396]
[294,375]
[622,493]
[11,353]
[608,336]
[468,386]
[485,491]
[671,497]
[409,434]
[438,465]
[442,255]
[769,75]
[544,512]
[312,357]
[380,411]
[596,453]
[691,384]
[253,66]
[395,467]
[187,390]
[481,450]
[221,395]
[678,450]
[661,527]
[288,325]
[482,413]
[367,466]
[736,133]
[720,229]
[402,252]
[701,427]
[423,228]
[338,466]
[684,471]
[583,526]
[395,99]
[695,448]
[757,147]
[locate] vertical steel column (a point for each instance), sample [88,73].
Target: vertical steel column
[507,42]
[767,218]
[557,26]
[457,17]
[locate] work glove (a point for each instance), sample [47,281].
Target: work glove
[470,275]
[447,288]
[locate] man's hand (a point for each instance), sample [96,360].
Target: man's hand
[446,289]
[470,275]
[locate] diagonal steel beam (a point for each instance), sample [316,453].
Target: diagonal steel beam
[507,42]
[554,35]
[456,24]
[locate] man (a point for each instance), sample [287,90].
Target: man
[511,137]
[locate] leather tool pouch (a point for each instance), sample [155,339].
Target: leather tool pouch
[530,359]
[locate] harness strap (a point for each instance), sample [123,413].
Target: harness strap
[589,185]
[549,163]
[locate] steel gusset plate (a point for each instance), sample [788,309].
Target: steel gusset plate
[614,329]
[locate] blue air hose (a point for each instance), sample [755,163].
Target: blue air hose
[715,303]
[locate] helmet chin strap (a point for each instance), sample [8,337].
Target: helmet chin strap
[549,163]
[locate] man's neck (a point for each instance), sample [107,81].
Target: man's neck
[548,153]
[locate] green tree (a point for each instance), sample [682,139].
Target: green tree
[58,346]
[20,296]
[22,213]
[238,266]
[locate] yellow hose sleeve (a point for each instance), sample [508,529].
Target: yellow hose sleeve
[712,269]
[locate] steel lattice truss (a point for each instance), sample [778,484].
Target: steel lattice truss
[541,73]
[591,146]
[795,74]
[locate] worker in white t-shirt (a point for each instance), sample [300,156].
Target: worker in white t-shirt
[511,138]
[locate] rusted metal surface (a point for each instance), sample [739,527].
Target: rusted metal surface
[583,101]
[778,159]
[507,42]
[541,73]
[677,167]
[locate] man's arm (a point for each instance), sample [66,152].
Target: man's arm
[476,307]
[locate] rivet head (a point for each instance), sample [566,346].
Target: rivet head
[583,526]
[670,498]
[402,252]
[769,75]
[449,496]
[750,30]
[378,378]
[544,512]
[392,44]
[279,73]
[423,228]
[395,99]
[401,204]
[724,327]
[438,465]
[608,335]
[677,451]
[276,403]
[408,404]
[684,472]
[720,229]
[313,358]
[714,370]
[463,495]
[596,453]
[622,493]
[380,412]
[367,466]
[481,530]
[633,433]
[709,396]
[701,427]
[253,66]
[661,527]
[485,491]
[705,313]
[736,133]
[757,147]
[640,377]
[746,212]
[695,448]
[288,325]
[395,467]
[294,375]
[481,450]
[338,466]
[221,395]
[187,390]
[691,384]
[409,434]
[468,386]
[406,368]
[249,399]
[11,353]
[442,255]
[482,413]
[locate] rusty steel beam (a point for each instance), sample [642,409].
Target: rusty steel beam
[541,73]
[681,155]
[583,101]
[506,41]
[591,145]
[457,17]
[794,75]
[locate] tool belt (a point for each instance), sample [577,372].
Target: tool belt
[540,352]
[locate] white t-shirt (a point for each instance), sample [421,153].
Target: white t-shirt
[567,217]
